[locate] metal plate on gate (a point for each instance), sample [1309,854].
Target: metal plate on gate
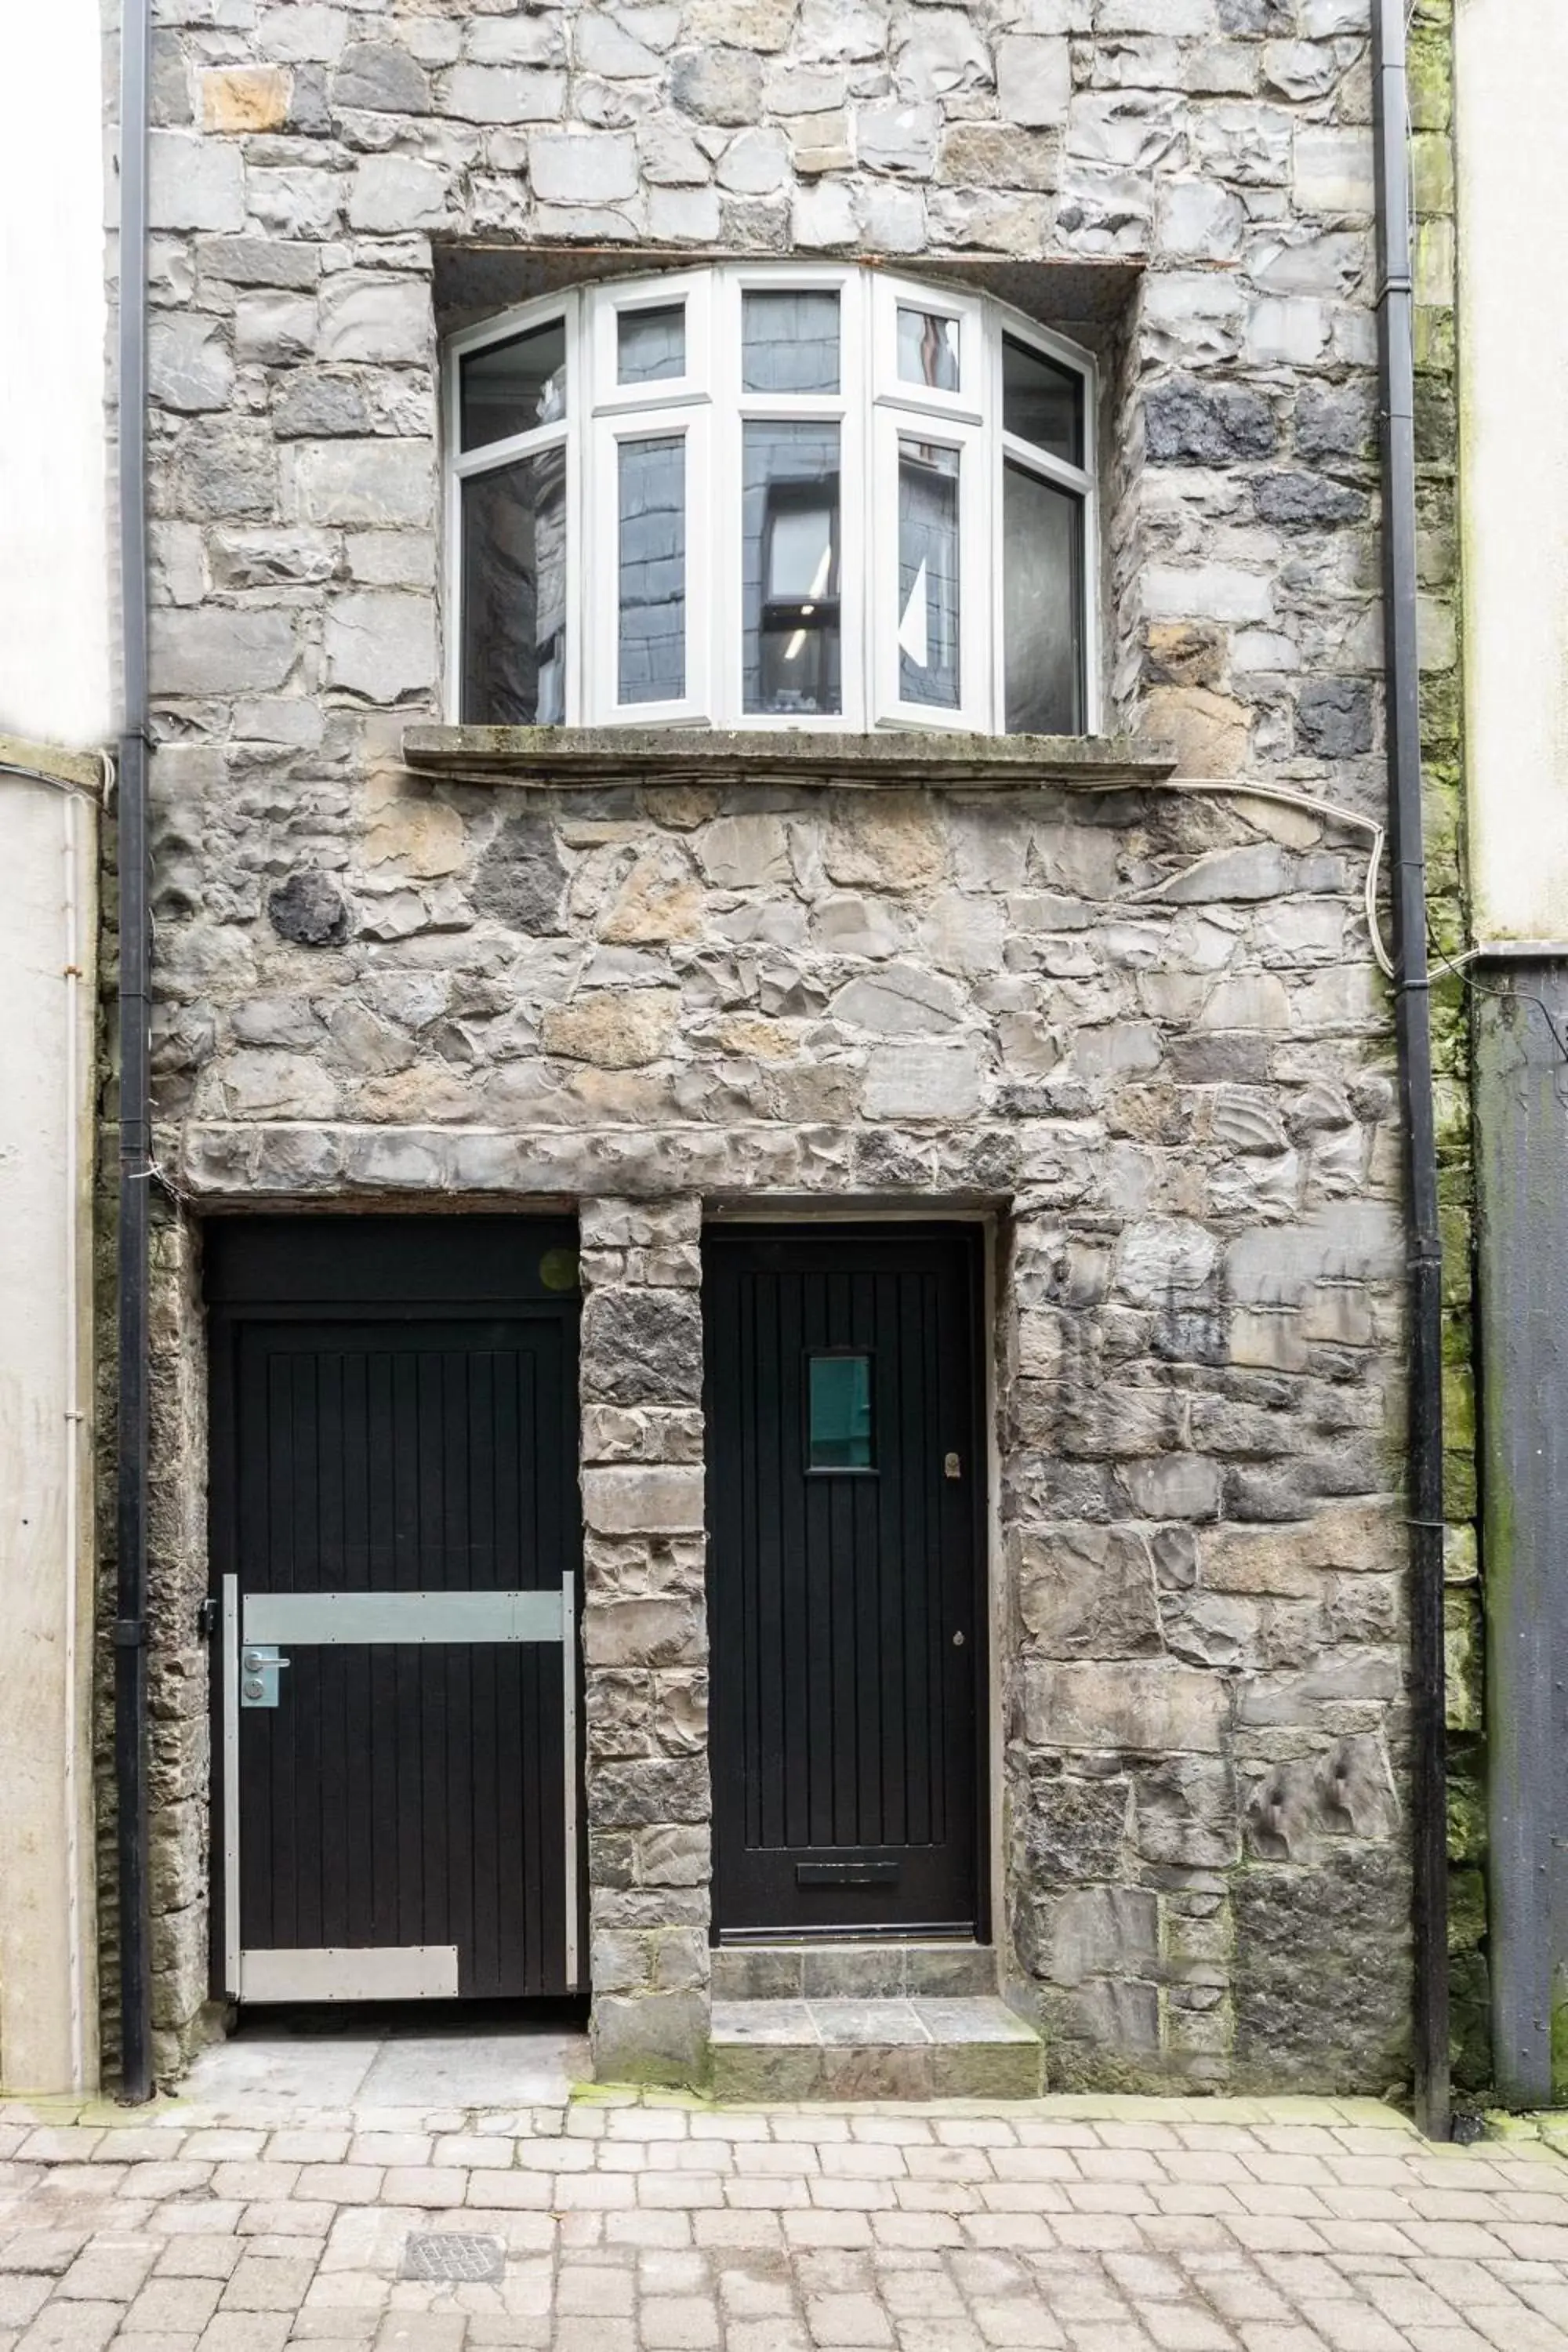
[431,2254]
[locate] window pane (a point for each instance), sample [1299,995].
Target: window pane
[928,574]
[652,485]
[789,343]
[840,1434]
[650,345]
[513,387]
[1042,403]
[1042,602]
[514,593]
[928,350]
[790,568]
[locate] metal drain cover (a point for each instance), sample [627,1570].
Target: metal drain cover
[431,2255]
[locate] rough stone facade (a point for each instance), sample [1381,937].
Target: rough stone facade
[645,1642]
[1146,1033]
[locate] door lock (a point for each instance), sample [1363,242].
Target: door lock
[260,1667]
[952,1468]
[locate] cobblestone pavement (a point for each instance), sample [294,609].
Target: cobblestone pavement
[628,2225]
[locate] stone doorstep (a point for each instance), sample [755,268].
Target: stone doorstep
[833,1970]
[964,2048]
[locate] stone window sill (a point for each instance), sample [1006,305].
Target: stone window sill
[553,759]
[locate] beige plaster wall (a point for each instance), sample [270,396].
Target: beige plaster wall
[1511,63]
[47,924]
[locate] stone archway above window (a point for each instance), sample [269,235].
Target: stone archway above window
[771,498]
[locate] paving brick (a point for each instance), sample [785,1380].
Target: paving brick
[245,2331]
[952,2233]
[22,2295]
[63,2326]
[677,2323]
[173,2306]
[198,2256]
[266,2282]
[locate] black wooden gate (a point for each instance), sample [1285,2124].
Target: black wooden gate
[846,1502]
[395,1544]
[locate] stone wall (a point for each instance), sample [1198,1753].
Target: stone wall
[179,1747]
[645,1642]
[1147,1032]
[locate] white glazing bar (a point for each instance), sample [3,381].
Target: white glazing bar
[231,1786]
[569,1720]
[324,1619]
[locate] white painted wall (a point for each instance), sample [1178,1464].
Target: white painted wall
[1511,65]
[55,691]
[55,667]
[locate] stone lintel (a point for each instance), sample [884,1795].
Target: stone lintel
[81,770]
[553,759]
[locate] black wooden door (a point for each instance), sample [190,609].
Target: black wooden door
[394,1511]
[846,1498]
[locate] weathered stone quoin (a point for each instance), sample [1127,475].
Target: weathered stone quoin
[1145,1033]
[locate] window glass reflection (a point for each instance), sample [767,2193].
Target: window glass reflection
[652,569]
[513,387]
[1042,403]
[928,350]
[790,544]
[839,1413]
[650,345]
[928,574]
[1042,575]
[514,593]
[789,343]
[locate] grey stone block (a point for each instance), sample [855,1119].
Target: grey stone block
[381,644]
[659,2037]
[1333,718]
[210,651]
[643,1501]
[588,167]
[1192,423]
[381,77]
[193,183]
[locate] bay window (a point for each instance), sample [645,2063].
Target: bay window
[770,497]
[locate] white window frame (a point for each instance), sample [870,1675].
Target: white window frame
[1079,479]
[846,409]
[691,424]
[707,406]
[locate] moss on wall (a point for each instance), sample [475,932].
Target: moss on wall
[1431,101]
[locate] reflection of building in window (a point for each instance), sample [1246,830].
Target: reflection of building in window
[652,665]
[514,593]
[790,568]
[650,345]
[928,573]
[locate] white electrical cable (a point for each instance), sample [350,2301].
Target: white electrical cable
[1241,788]
[64,784]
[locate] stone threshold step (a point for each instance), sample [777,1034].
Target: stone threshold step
[906,2049]
[845,1970]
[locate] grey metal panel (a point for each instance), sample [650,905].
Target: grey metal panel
[1522,1133]
[231,1785]
[569,1716]
[329,1618]
[386,1972]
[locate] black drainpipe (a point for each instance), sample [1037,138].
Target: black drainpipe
[136,1110]
[1413,1024]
